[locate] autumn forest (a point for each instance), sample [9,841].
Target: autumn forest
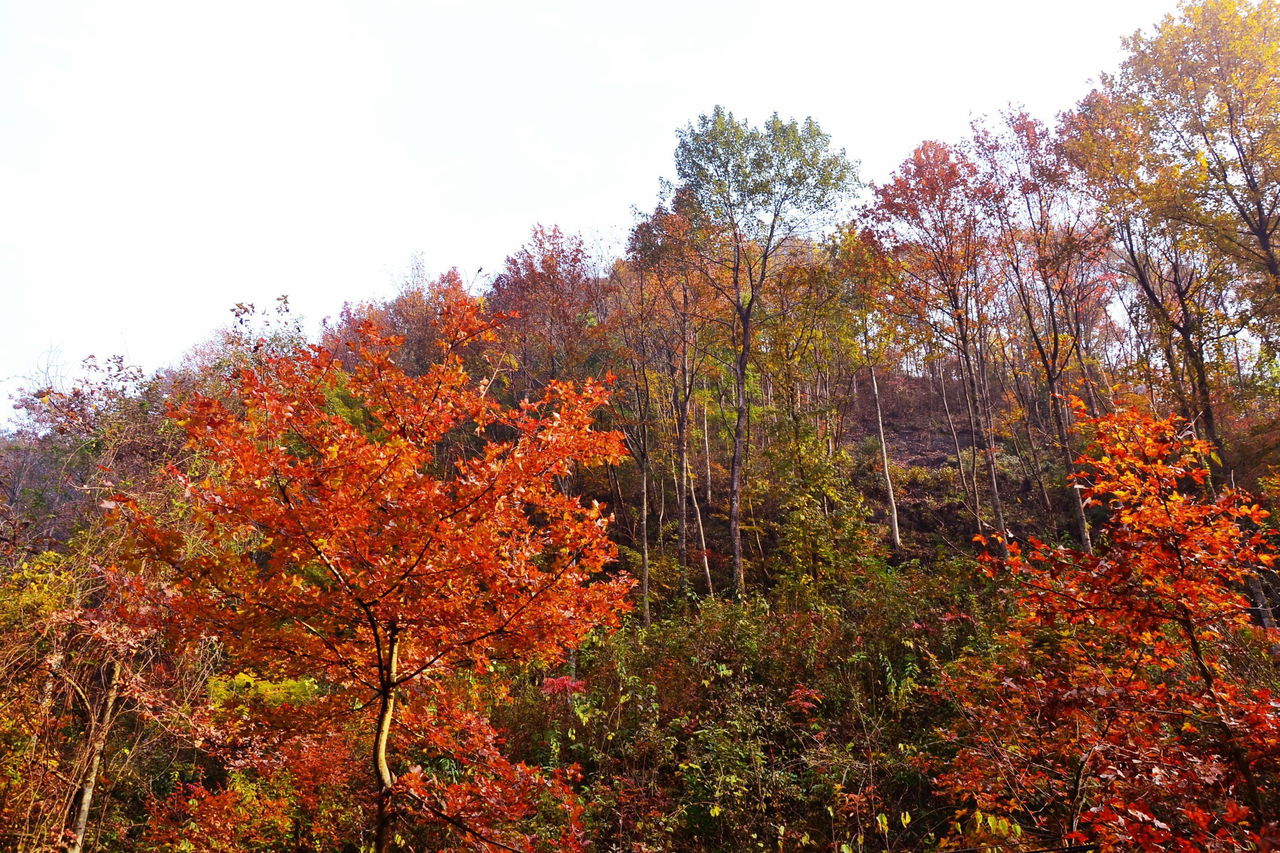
[925,514]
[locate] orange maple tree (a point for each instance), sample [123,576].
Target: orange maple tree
[1119,707]
[380,543]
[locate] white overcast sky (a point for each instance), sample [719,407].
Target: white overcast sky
[160,162]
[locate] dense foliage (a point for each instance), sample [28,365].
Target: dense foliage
[927,515]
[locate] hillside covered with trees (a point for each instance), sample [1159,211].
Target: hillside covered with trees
[926,514]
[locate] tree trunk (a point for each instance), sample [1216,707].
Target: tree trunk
[702,539]
[894,536]
[1263,615]
[739,453]
[987,425]
[955,440]
[680,407]
[99,729]
[706,448]
[644,541]
[386,713]
[1074,499]
[979,411]
[1206,422]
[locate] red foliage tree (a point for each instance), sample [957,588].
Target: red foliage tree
[381,543]
[931,217]
[556,308]
[1122,707]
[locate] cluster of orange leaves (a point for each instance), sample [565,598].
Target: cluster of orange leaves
[1120,706]
[361,534]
